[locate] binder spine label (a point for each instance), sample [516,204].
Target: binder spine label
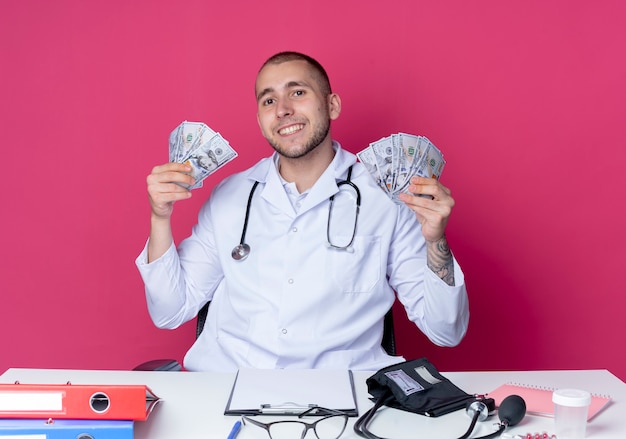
[31,401]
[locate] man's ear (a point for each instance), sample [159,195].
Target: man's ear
[334,106]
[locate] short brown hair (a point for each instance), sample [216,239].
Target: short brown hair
[322,76]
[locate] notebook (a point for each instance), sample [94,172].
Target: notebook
[539,399]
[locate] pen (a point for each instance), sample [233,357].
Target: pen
[233,433]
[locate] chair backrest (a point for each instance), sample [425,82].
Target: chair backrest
[202,318]
[388,343]
[389,335]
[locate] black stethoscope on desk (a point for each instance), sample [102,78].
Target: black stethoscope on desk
[242,250]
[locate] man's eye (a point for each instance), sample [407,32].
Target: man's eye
[268,101]
[298,92]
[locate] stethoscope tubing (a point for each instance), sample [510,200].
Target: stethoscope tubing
[241,251]
[247,217]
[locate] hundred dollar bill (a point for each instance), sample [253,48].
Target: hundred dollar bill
[368,158]
[407,152]
[208,157]
[393,160]
[383,150]
[202,148]
[417,147]
[432,163]
[187,136]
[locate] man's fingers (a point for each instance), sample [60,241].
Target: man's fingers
[170,173]
[171,166]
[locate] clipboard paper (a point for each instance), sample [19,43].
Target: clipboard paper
[291,391]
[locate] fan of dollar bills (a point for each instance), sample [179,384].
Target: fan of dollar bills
[201,148]
[393,160]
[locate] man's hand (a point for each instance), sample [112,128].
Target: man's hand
[433,212]
[163,193]
[163,190]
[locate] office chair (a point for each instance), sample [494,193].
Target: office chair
[388,343]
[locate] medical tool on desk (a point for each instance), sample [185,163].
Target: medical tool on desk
[242,250]
[511,411]
[416,386]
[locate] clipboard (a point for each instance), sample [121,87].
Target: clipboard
[291,391]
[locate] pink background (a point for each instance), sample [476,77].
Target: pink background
[526,99]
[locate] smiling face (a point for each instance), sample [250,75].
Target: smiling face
[294,110]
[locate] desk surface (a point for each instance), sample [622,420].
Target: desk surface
[193,403]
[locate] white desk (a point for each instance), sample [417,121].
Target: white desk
[193,403]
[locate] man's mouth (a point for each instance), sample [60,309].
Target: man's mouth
[290,129]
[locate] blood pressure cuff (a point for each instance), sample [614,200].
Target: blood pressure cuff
[416,386]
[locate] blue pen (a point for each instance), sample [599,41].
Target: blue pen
[233,433]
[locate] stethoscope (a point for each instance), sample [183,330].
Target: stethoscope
[242,250]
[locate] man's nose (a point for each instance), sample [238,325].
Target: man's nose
[284,108]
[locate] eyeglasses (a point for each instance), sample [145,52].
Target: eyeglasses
[330,426]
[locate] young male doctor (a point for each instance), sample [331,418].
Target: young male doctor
[318,272]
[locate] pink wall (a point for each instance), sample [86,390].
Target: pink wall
[526,99]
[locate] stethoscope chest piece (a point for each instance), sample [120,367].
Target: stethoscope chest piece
[240,252]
